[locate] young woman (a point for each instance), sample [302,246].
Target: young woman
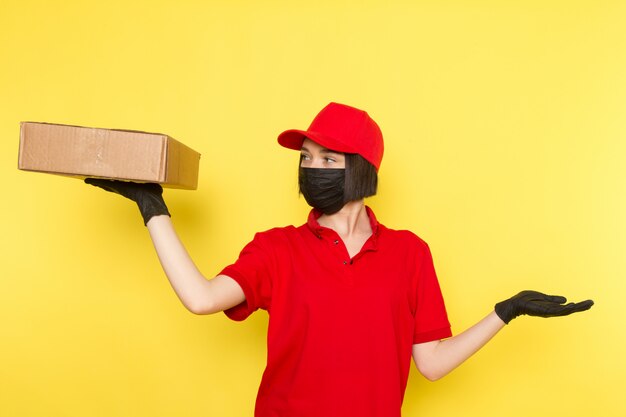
[350,301]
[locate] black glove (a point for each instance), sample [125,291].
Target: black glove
[534,303]
[148,197]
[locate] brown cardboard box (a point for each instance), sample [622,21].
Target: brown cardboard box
[107,153]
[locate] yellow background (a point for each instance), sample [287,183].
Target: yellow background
[505,126]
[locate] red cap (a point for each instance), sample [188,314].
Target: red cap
[340,128]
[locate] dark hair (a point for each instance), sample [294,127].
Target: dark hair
[361,178]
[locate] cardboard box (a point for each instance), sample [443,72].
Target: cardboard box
[107,153]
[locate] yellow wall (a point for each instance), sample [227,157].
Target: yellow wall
[505,127]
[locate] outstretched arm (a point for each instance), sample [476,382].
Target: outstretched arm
[198,295]
[438,358]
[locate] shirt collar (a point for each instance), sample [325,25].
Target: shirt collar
[319,230]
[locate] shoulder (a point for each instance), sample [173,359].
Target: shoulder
[270,245]
[405,239]
[276,232]
[274,237]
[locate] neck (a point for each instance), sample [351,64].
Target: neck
[351,220]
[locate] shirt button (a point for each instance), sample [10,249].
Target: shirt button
[336,242]
[345,262]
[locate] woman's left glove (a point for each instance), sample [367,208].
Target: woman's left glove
[149,197]
[534,303]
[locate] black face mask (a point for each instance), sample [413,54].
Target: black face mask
[323,188]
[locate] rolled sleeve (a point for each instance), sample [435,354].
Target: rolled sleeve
[253,272]
[431,317]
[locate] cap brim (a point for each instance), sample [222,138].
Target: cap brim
[293,138]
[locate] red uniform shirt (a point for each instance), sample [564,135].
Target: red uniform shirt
[341,330]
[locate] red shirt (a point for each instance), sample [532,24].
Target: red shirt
[341,330]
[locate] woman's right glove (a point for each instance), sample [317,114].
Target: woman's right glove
[534,303]
[149,197]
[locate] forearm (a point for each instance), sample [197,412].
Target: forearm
[437,359]
[199,295]
[189,284]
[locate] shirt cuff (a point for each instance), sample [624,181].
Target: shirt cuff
[431,335]
[243,310]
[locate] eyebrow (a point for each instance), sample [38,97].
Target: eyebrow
[323,150]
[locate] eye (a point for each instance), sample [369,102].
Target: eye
[304,157]
[330,160]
